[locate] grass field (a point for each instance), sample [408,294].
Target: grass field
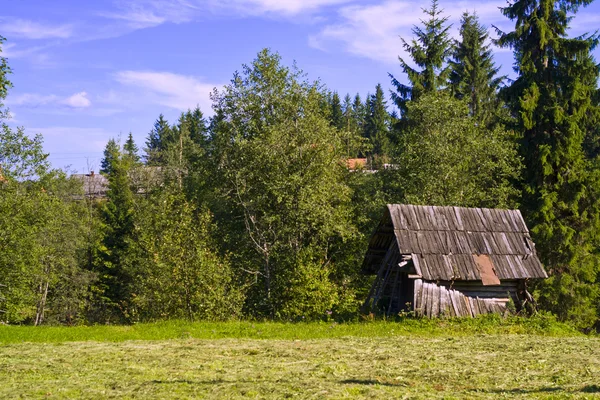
[375,360]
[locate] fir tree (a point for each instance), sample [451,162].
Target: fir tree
[157,140]
[474,73]
[551,97]
[131,150]
[111,149]
[197,126]
[118,225]
[377,127]
[358,113]
[429,51]
[337,117]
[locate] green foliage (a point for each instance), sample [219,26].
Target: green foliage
[5,84]
[337,117]
[111,255]
[552,99]
[280,168]
[446,158]
[130,150]
[474,73]
[177,272]
[377,125]
[155,144]
[111,150]
[430,51]
[40,236]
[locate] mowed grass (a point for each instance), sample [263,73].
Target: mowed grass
[322,361]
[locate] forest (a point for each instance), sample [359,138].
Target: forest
[254,212]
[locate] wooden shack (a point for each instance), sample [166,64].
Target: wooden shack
[450,261]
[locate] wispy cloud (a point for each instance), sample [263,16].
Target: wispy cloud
[165,88]
[140,14]
[34,100]
[277,7]
[27,29]
[373,31]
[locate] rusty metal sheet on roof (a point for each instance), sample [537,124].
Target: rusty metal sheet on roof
[486,270]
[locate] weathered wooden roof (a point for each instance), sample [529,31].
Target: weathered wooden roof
[94,185]
[457,243]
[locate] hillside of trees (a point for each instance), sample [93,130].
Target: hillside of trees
[254,212]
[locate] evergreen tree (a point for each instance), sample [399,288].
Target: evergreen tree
[198,130]
[130,150]
[557,78]
[337,114]
[377,127]
[474,73]
[111,149]
[112,255]
[157,140]
[358,113]
[347,113]
[429,51]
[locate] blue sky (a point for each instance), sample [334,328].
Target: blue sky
[85,71]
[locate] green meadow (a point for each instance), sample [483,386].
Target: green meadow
[423,359]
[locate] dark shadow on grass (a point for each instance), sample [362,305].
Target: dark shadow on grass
[369,382]
[522,391]
[585,389]
[591,389]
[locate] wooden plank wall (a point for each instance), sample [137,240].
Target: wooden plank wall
[432,300]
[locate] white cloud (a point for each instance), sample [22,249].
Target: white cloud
[278,7]
[33,30]
[141,14]
[373,31]
[34,100]
[172,90]
[78,100]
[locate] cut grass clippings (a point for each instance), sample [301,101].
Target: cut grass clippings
[478,366]
[483,358]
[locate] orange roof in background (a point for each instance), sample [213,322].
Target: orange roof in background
[354,163]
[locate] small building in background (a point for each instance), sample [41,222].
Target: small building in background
[95,186]
[450,261]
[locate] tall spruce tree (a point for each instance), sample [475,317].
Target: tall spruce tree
[156,142]
[474,75]
[112,148]
[337,115]
[358,113]
[117,229]
[557,80]
[377,127]
[429,51]
[196,122]
[130,150]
